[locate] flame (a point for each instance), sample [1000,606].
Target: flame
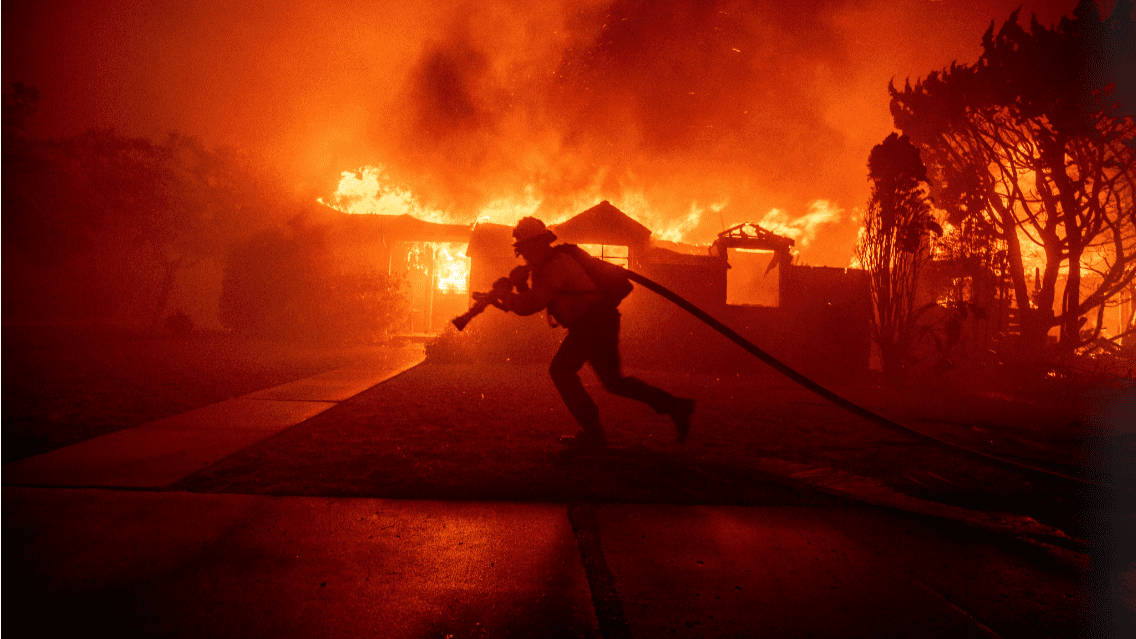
[804,229]
[678,230]
[371,190]
[507,210]
[452,267]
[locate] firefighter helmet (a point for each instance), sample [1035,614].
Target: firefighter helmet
[531,230]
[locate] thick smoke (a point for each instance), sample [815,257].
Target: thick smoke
[668,105]
[688,114]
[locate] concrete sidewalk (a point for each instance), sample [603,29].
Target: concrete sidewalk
[160,453]
[150,562]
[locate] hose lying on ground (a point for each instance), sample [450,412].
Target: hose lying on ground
[816,388]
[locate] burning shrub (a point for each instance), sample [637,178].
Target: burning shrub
[1036,141]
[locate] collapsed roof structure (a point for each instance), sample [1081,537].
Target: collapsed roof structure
[748,235]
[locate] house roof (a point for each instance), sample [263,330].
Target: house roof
[406,227]
[490,241]
[401,228]
[603,224]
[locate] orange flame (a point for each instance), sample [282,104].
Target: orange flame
[804,229]
[371,190]
[452,267]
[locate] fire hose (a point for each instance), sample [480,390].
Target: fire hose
[517,279]
[484,300]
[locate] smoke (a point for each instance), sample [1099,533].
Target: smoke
[669,110]
[684,101]
[734,108]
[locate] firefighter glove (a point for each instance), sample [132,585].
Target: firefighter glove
[519,277]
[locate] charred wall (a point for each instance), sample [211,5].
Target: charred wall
[820,328]
[828,312]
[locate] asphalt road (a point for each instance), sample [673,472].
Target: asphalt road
[90,550]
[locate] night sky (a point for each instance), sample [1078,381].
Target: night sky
[730,109]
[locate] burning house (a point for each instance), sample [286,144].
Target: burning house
[814,318]
[428,258]
[607,233]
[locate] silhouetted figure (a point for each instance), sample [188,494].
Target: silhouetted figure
[561,285]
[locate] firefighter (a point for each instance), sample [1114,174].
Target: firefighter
[560,284]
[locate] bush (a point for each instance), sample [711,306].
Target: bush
[453,347]
[289,286]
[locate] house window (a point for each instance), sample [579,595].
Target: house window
[753,278]
[608,252]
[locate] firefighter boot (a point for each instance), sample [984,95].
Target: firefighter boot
[585,441]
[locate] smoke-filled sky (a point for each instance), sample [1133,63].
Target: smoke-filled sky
[690,114]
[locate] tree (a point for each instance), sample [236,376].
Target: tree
[101,225]
[207,201]
[68,244]
[1037,142]
[892,249]
[19,107]
[291,284]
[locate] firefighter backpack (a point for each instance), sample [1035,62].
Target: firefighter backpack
[610,279]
